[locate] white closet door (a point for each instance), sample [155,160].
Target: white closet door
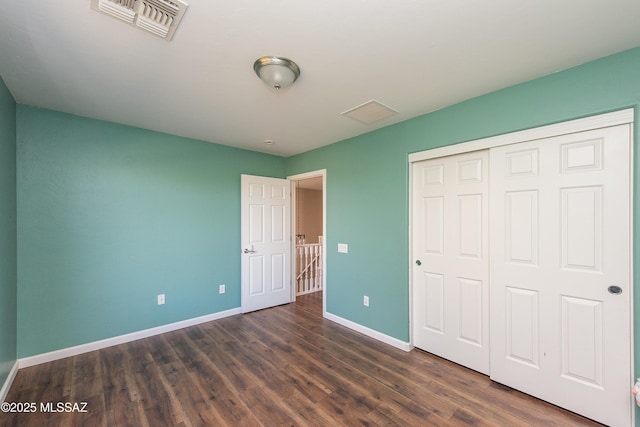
[560,271]
[450,291]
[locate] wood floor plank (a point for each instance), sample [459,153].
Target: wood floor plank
[86,376]
[267,405]
[308,413]
[285,366]
[271,372]
[339,375]
[434,384]
[340,368]
[224,395]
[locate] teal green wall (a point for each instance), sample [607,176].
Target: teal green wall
[8,278]
[367,180]
[110,216]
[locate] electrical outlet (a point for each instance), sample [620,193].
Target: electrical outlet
[366,301]
[343,248]
[222,288]
[160,299]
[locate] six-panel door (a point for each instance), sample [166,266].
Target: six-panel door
[560,238]
[266,242]
[451,266]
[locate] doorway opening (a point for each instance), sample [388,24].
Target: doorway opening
[308,228]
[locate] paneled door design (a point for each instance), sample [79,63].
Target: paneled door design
[560,271]
[450,290]
[266,242]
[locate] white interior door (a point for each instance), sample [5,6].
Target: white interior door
[560,271]
[266,242]
[450,288]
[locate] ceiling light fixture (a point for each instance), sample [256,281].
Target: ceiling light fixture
[277,72]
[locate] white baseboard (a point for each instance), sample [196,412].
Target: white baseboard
[97,345]
[7,383]
[369,332]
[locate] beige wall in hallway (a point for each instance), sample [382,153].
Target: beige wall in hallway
[309,214]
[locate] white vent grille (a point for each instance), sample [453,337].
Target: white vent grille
[122,9]
[160,17]
[369,112]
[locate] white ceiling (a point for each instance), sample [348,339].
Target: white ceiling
[414,56]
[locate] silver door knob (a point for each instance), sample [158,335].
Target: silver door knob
[248,251]
[418,262]
[615,290]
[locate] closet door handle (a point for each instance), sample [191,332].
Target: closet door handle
[616,290]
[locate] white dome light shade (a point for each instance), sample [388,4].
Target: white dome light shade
[276,72]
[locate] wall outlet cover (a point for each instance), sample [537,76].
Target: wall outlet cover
[343,248]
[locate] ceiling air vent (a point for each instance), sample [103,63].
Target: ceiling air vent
[369,112]
[160,17]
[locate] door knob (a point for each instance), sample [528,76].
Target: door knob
[615,290]
[418,262]
[249,251]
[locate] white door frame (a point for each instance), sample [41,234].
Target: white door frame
[621,117]
[595,122]
[294,178]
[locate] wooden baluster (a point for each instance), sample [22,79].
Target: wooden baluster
[319,267]
[320,271]
[299,270]
[308,279]
[315,268]
[316,271]
[311,271]
[308,268]
[301,275]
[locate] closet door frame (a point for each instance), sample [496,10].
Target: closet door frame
[622,117]
[595,122]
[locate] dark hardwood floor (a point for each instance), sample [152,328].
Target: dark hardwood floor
[283,366]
